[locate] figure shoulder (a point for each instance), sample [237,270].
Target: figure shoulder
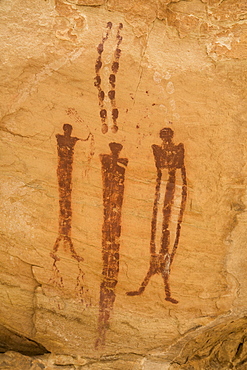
[123,161]
[60,139]
[105,158]
[180,147]
[156,149]
[74,139]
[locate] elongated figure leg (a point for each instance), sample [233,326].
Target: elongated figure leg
[168,297]
[152,271]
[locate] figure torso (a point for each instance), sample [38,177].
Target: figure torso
[171,157]
[65,146]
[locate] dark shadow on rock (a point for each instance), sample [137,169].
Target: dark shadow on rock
[12,341]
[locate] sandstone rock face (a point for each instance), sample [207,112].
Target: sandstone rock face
[123,184]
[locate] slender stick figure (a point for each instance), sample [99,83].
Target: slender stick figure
[171,157]
[113,171]
[65,148]
[112,80]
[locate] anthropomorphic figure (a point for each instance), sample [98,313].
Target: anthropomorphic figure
[113,171]
[168,157]
[65,149]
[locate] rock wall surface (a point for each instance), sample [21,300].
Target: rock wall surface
[123,184]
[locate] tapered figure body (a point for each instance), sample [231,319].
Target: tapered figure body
[168,157]
[113,171]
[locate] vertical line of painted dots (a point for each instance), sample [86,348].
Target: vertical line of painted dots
[112,79]
[97,82]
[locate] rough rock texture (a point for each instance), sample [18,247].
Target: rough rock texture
[10,341]
[77,216]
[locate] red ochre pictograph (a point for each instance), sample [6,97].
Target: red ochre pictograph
[113,172]
[65,149]
[170,157]
[112,79]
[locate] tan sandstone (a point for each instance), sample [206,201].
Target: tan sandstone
[182,66]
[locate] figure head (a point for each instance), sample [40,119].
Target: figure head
[166,134]
[115,148]
[67,128]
